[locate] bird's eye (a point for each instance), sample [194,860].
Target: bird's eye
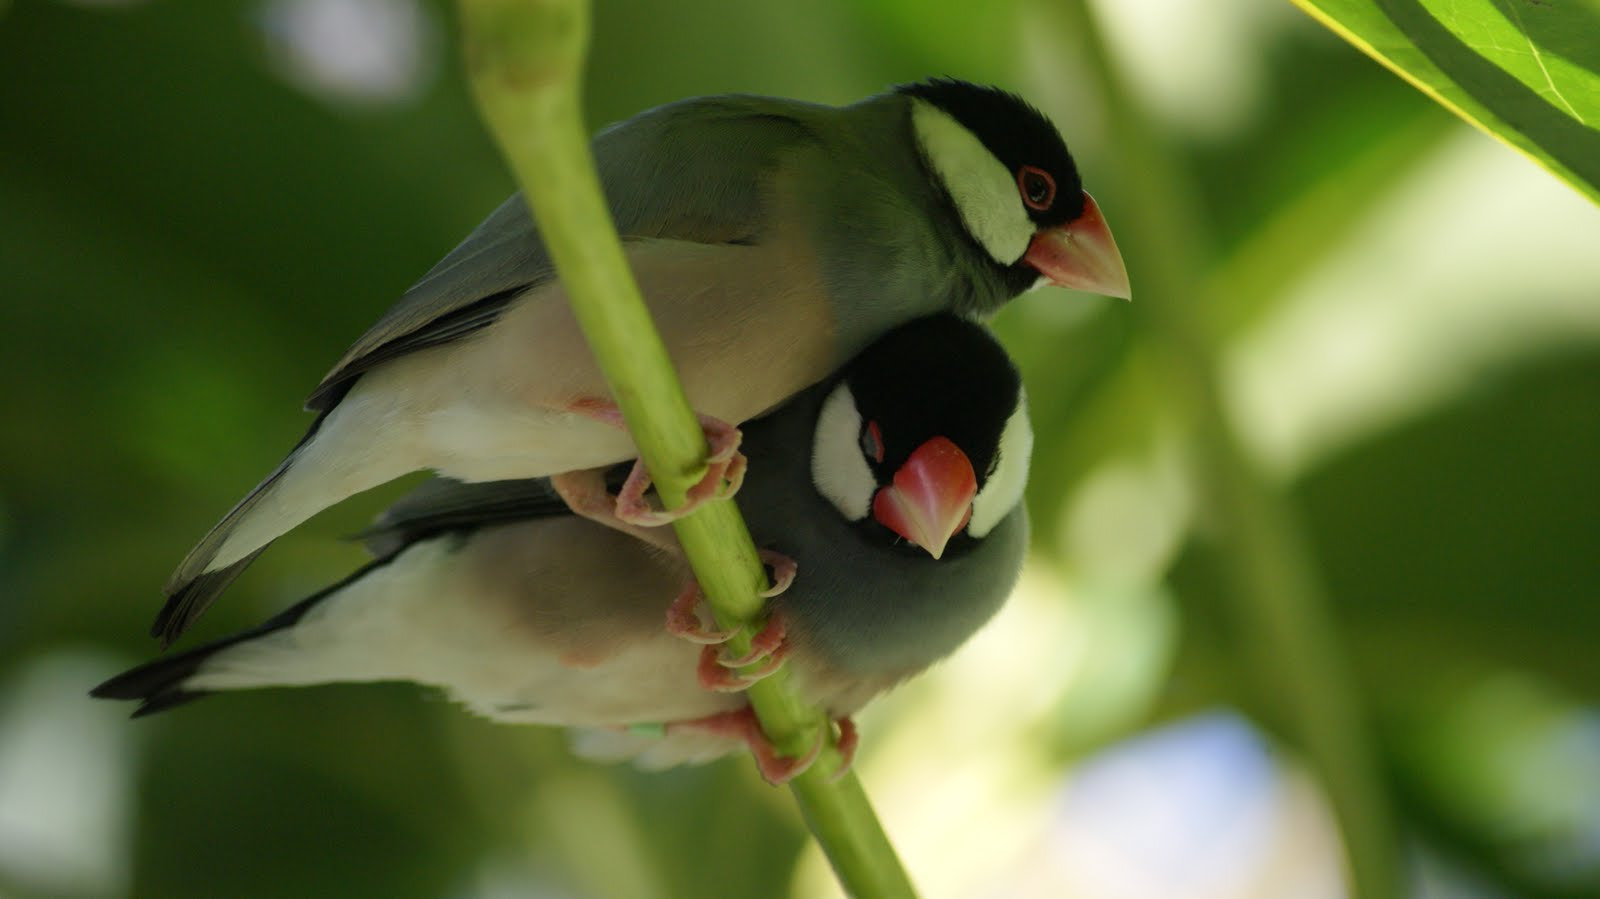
[872,442]
[1038,188]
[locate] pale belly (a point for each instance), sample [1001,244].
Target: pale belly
[745,329]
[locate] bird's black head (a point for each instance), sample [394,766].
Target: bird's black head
[1042,172]
[926,436]
[1015,187]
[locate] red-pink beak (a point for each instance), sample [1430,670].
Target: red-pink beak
[1081,255]
[931,498]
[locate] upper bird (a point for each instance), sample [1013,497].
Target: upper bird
[897,486]
[772,240]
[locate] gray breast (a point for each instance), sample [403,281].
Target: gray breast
[861,606]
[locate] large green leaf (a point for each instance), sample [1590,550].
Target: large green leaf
[1525,71]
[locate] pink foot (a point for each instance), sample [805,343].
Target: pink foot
[742,725]
[725,468]
[724,476]
[685,618]
[775,768]
[768,649]
[585,494]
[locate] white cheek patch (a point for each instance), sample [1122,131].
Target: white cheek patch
[1003,490]
[984,191]
[838,469]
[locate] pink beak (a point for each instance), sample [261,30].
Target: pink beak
[931,498]
[1081,255]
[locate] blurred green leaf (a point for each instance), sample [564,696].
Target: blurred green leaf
[1525,71]
[1260,270]
[1504,767]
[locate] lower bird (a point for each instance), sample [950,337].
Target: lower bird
[888,500]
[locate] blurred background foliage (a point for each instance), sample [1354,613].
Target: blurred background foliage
[202,204]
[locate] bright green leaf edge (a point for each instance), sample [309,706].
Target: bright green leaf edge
[1407,39]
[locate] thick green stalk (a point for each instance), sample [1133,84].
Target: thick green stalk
[525,60]
[1291,644]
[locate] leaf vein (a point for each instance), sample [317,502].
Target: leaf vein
[1538,57]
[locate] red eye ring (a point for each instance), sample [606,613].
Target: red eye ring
[872,442]
[1035,175]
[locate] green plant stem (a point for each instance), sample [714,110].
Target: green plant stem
[525,60]
[1291,647]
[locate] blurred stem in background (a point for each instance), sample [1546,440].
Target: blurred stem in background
[525,61]
[1292,653]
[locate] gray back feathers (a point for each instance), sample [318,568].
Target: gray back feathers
[694,171]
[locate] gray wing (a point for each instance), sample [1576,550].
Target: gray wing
[693,170]
[442,505]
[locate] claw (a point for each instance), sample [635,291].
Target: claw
[776,769]
[585,494]
[725,470]
[768,650]
[783,571]
[722,438]
[849,739]
[767,642]
[683,618]
[730,479]
[721,481]
[716,676]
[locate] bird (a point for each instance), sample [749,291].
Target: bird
[894,489]
[772,240]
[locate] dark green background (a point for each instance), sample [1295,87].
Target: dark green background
[187,242]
